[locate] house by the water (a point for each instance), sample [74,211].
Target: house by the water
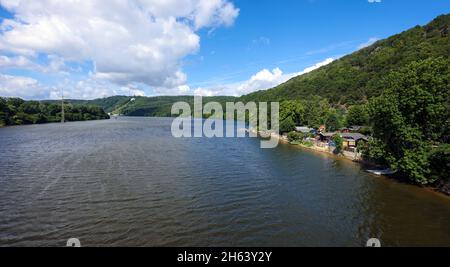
[351,140]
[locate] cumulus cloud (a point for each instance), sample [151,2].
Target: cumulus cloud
[55,64]
[140,41]
[263,80]
[177,90]
[206,92]
[18,86]
[16,62]
[266,79]
[91,88]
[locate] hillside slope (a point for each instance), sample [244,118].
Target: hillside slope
[146,106]
[357,77]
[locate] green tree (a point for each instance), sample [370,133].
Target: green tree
[293,110]
[411,116]
[440,162]
[316,111]
[291,115]
[339,142]
[4,112]
[16,111]
[333,122]
[358,115]
[30,107]
[287,125]
[295,136]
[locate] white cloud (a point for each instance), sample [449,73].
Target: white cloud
[55,64]
[374,1]
[205,92]
[141,41]
[263,80]
[370,42]
[91,88]
[130,90]
[86,89]
[317,66]
[16,62]
[177,90]
[29,88]
[24,87]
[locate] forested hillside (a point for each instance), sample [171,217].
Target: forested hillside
[358,77]
[146,106]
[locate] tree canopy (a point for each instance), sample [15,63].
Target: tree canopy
[16,111]
[356,78]
[411,118]
[357,115]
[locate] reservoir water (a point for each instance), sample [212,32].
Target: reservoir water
[128,182]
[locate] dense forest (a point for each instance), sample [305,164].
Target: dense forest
[355,78]
[16,111]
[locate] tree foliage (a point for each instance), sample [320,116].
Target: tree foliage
[295,137]
[355,78]
[358,115]
[339,142]
[333,121]
[16,111]
[411,117]
[440,162]
[287,125]
[292,110]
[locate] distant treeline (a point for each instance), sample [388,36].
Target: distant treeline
[160,106]
[16,111]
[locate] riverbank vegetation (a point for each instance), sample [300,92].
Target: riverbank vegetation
[397,89]
[16,111]
[409,122]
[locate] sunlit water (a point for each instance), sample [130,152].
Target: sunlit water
[128,182]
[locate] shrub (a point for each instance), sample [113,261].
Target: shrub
[339,141]
[295,137]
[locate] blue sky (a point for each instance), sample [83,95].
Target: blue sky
[302,33]
[232,48]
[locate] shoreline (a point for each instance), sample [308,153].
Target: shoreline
[431,189]
[46,123]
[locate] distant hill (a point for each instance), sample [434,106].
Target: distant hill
[356,77]
[146,106]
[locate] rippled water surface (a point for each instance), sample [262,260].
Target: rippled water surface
[127,182]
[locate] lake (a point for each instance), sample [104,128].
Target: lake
[128,182]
